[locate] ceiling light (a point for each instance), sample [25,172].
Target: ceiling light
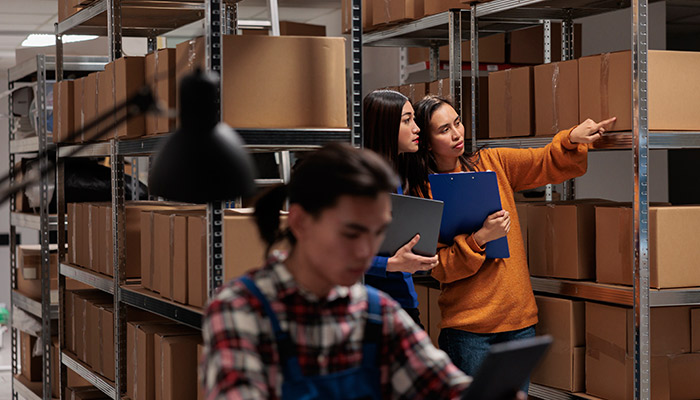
[42,39]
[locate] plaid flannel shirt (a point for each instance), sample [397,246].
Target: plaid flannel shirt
[241,359]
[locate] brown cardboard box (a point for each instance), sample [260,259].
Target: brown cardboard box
[106,337]
[511,103]
[527,45]
[673,87]
[30,364]
[695,330]
[441,88]
[78,107]
[70,234]
[93,332]
[106,246]
[149,339]
[179,262]
[388,11]
[609,352]
[72,379]
[63,110]
[243,248]
[106,98]
[81,314]
[313,69]
[128,79]
[563,366]
[178,355]
[521,209]
[99,229]
[673,254]
[159,74]
[66,8]
[565,234]
[556,97]
[85,393]
[435,316]
[29,261]
[189,55]
[367,22]
[68,317]
[163,253]
[89,103]
[492,50]
[132,354]
[289,28]
[438,6]
[196,261]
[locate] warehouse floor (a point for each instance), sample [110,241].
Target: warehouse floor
[5,385]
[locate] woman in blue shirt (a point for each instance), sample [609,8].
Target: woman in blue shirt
[390,129]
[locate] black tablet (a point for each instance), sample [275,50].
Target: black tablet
[411,215]
[506,368]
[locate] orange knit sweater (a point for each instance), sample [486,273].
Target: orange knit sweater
[495,295]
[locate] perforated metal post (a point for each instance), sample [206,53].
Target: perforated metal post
[567,53]
[474,52]
[13,245]
[274,17]
[152,44]
[434,62]
[357,73]
[455,32]
[114,28]
[640,146]
[119,260]
[547,25]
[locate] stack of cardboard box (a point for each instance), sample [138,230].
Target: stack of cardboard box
[29,271]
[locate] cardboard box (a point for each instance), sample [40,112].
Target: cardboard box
[63,110]
[106,244]
[93,331]
[85,393]
[162,253]
[289,28]
[695,330]
[179,262]
[313,69]
[82,316]
[178,377]
[189,55]
[435,316]
[437,6]
[69,319]
[441,88]
[673,89]
[492,50]
[389,11]
[70,232]
[29,261]
[106,328]
[563,366]
[511,103]
[89,104]
[106,98]
[72,379]
[673,255]
[556,97]
[609,352]
[128,79]
[244,249]
[30,364]
[78,111]
[99,230]
[159,74]
[565,236]
[196,261]
[367,23]
[527,45]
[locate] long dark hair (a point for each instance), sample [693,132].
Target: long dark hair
[319,180]
[419,165]
[381,120]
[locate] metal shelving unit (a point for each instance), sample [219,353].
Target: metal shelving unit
[31,221]
[509,15]
[32,306]
[95,379]
[150,19]
[19,389]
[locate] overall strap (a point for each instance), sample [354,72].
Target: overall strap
[373,329]
[285,347]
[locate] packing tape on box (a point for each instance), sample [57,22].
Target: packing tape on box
[595,346]
[625,244]
[604,81]
[387,8]
[555,99]
[191,54]
[549,240]
[509,104]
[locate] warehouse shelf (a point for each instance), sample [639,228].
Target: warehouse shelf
[263,139]
[31,306]
[138,18]
[425,32]
[545,392]
[26,145]
[94,279]
[616,294]
[31,221]
[23,390]
[29,68]
[137,296]
[612,141]
[82,369]
[547,9]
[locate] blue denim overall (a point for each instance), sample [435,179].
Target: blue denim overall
[352,384]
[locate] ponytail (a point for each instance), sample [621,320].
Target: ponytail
[267,215]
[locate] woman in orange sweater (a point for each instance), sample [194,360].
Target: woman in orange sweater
[486,301]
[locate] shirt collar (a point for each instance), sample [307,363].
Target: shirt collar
[288,286]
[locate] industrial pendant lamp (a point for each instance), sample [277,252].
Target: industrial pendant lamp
[205,160]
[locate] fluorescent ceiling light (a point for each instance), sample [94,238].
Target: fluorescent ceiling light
[42,39]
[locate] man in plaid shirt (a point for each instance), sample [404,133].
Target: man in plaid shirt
[285,328]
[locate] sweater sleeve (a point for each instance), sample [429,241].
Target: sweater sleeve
[461,260]
[556,162]
[378,267]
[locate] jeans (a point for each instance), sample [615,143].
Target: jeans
[468,350]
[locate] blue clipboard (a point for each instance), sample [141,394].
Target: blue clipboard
[469,197]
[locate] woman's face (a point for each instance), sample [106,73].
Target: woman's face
[408,130]
[446,139]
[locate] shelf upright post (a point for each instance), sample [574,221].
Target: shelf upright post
[434,62]
[640,204]
[474,49]
[215,210]
[119,261]
[567,53]
[44,231]
[357,73]
[455,32]
[13,243]
[547,25]
[114,28]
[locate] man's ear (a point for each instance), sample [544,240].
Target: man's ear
[298,220]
